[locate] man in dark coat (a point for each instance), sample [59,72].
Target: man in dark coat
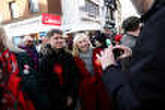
[58,74]
[144,88]
[31,51]
[29,82]
[131,27]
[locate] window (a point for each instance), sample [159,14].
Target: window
[1,18]
[13,10]
[34,6]
[91,9]
[17,40]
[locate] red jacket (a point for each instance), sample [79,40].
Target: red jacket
[84,73]
[10,84]
[92,91]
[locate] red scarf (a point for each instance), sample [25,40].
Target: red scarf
[58,70]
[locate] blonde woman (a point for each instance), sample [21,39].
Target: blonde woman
[91,88]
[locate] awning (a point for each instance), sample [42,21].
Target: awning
[81,26]
[32,25]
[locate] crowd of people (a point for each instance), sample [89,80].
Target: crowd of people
[99,72]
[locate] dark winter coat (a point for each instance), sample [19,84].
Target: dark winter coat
[144,88]
[33,54]
[29,81]
[58,78]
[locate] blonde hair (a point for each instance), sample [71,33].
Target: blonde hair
[6,42]
[3,37]
[78,37]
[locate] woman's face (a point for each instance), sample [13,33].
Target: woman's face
[83,44]
[57,41]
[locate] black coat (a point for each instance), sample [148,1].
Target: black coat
[142,88]
[30,83]
[50,80]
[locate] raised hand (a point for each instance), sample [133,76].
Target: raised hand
[106,57]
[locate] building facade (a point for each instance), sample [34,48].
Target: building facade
[15,10]
[26,16]
[22,17]
[29,17]
[80,15]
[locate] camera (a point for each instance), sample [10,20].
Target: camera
[117,52]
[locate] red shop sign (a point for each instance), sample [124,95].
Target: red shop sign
[51,19]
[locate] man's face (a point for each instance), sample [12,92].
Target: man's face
[139,5]
[107,31]
[29,43]
[142,6]
[57,41]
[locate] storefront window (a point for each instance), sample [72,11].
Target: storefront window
[34,6]
[17,40]
[1,18]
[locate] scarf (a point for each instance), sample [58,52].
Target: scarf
[87,58]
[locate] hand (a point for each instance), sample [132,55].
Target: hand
[127,51]
[69,101]
[106,58]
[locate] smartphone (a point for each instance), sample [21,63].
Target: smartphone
[117,52]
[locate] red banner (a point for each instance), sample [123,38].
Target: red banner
[51,19]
